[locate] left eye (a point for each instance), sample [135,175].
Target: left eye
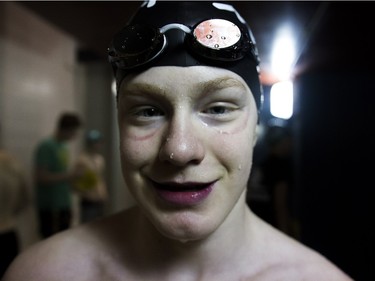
[218,110]
[149,112]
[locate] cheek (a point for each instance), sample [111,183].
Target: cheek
[235,151]
[134,153]
[131,150]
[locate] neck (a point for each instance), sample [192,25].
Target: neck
[230,241]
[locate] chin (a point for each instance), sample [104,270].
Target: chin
[184,236]
[185,226]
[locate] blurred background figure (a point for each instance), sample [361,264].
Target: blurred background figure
[278,178]
[53,178]
[257,196]
[91,186]
[13,199]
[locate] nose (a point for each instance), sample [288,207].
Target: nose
[182,145]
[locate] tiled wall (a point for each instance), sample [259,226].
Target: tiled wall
[40,78]
[37,83]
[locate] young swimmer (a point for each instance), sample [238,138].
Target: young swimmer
[187,114]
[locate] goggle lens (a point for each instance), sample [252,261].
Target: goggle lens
[135,39]
[136,44]
[217,33]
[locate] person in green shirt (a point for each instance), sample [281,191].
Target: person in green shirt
[53,177]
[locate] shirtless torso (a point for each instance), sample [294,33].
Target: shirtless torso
[126,247]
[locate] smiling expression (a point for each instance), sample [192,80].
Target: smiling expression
[186,142]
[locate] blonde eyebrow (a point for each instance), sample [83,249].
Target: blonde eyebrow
[220,83]
[143,88]
[204,87]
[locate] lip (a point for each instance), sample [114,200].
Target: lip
[183,194]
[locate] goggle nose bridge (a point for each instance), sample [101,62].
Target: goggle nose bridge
[179,26]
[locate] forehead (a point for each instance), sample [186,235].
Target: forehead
[188,77]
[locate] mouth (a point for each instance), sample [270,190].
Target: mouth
[185,194]
[177,187]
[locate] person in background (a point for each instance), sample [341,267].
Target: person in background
[258,197]
[278,178]
[187,107]
[13,199]
[54,178]
[92,187]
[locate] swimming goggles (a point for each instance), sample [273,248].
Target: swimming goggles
[216,40]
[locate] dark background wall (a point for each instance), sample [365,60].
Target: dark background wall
[333,127]
[335,166]
[336,141]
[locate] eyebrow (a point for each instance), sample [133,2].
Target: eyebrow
[143,88]
[220,83]
[204,87]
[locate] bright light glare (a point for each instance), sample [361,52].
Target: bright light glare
[281,100]
[283,53]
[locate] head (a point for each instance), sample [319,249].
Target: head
[187,115]
[94,140]
[68,125]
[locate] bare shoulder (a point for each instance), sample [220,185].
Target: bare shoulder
[60,255]
[291,260]
[303,270]
[311,265]
[75,254]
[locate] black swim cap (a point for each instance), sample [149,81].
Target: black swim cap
[187,33]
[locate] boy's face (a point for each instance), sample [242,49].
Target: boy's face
[186,141]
